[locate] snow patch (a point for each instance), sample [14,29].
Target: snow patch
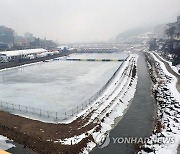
[4,145]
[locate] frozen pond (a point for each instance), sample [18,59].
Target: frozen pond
[56,85]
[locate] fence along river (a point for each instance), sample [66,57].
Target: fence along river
[51,116]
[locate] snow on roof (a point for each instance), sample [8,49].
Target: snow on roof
[23,52]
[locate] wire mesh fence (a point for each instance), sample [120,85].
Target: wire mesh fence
[51,115]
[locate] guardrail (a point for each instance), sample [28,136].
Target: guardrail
[51,115]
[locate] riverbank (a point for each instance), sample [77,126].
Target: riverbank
[138,121]
[166,134]
[170,70]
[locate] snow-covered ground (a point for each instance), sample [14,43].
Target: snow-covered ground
[3,144]
[166,135]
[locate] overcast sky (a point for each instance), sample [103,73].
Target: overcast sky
[84,20]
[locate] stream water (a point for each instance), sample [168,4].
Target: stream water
[138,121]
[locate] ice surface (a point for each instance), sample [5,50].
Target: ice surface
[116,55]
[56,85]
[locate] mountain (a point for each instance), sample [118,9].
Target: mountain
[133,32]
[158,31]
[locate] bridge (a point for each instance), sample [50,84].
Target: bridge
[94,45]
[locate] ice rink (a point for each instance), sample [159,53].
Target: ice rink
[57,85]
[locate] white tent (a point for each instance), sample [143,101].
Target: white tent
[23,52]
[7,55]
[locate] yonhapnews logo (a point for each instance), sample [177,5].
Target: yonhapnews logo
[102,140]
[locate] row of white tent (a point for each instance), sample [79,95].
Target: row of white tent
[6,56]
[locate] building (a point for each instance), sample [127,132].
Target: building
[7,35]
[3,46]
[29,37]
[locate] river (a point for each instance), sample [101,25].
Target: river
[138,121]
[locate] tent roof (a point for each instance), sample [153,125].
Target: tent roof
[23,52]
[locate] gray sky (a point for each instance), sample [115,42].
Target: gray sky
[84,20]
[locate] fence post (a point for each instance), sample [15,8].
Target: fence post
[13,106]
[82,106]
[7,105]
[65,115]
[56,115]
[72,112]
[48,114]
[19,107]
[40,112]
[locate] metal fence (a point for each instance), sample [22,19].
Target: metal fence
[52,116]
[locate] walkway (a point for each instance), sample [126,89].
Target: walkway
[170,70]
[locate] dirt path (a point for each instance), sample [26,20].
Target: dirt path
[170,70]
